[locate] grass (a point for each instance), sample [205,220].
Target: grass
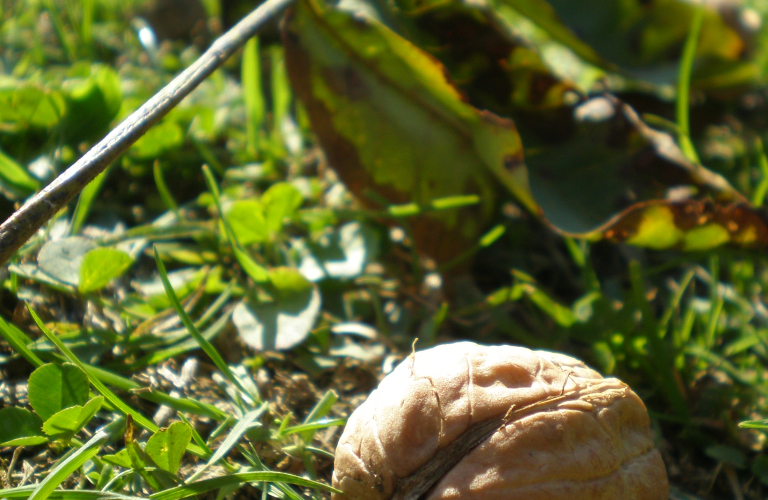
[189,406]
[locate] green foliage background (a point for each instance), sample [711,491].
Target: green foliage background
[585,177]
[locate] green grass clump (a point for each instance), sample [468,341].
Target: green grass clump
[207,314]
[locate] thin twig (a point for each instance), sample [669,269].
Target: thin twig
[20,226]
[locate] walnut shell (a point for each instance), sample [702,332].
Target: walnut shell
[551,428]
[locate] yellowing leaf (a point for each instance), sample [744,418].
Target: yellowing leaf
[656,229]
[391,122]
[690,225]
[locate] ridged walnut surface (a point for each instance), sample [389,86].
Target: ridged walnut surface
[591,443]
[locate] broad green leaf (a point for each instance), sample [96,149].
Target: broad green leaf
[19,342]
[61,426]
[285,322]
[760,468]
[20,427]
[541,13]
[138,458]
[16,175]
[53,388]
[611,151]
[280,202]
[256,271]
[25,105]
[490,62]
[161,138]
[288,283]
[166,446]
[390,121]
[100,266]
[391,124]
[641,37]
[121,459]
[728,455]
[68,422]
[93,99]
[89,410]
[246,217]
[341,254]
[61,259]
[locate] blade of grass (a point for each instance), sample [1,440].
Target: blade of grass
[22,492]
[754,424]
[152,232]
[253,269]
[281,87]
[684,85]
[178,404]
[195,435]
[253,458]
[85,202]
[312,426]
[319,411]
[64,468]
[162,189]
[19,341]
[101,388]
[674,303]
[714,316]
[61,31]
[86,31]
[758,195]
[199,487]
[232,438]
[748,378]
[185,345]
[660,355]
[485,241]
[320,451]
[206,346]
[252,94]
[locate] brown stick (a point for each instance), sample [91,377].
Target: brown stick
[20,226]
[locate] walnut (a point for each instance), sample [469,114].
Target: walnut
[498,423]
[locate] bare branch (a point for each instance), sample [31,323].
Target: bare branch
[39,209]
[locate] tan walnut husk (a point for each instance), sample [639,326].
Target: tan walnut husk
[565,432]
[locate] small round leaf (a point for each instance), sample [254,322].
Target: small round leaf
[53,388]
